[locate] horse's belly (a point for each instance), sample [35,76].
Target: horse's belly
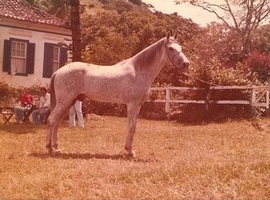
[107,93]
[118,92]
[103,97]
[112,86]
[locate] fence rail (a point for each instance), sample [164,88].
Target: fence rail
[259,96]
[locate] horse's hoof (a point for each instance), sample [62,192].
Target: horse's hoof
[131,154]
[128,155]
[54,151]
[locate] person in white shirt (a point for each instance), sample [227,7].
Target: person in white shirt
[43,110]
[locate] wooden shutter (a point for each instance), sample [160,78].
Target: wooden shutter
[63,56]
[48,60]
[7,56]
[30,59]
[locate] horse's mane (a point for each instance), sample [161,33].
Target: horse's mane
[147,55]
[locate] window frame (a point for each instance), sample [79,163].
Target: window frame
[56,58]
[17,57]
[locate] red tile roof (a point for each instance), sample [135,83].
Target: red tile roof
[22,10]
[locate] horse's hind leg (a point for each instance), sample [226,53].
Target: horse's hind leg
[53,127]
[133,113]
[51,143]
[54,121]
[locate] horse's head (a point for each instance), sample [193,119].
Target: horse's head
[174,52]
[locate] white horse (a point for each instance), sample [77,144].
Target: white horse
[127,82]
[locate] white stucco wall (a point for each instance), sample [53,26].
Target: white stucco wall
[45,35]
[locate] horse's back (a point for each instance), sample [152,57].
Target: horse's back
[92,69]
[71,68]
[101,83]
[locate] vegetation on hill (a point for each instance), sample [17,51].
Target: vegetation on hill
[126,27]
[213,50]
[113,30]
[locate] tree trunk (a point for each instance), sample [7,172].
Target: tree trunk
[76,31]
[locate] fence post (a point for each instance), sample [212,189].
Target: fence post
[252,103]
[253,97]
[207,100]
[267,98]
[168,99]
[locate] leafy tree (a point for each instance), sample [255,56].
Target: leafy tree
[242,17]
[259,63]
[60,8]
[110,37]
[32,2]
[261,39]
[70,11]
[137,2]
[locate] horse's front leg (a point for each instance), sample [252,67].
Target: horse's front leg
[48,139]
[51,142]
[54,122]
[132,113]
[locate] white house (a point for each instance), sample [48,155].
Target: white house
[30,44]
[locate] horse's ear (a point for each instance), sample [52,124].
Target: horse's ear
[175,36]
[168,35]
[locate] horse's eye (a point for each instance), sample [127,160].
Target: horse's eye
[170,48]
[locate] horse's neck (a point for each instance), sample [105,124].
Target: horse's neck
[151,60]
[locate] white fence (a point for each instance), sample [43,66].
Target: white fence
[259,96]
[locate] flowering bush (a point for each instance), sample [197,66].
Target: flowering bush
[259,63]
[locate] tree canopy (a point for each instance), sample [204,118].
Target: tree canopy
[241,16]
[108,40]
[113,30]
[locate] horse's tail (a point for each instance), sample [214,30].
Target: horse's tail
[52,91]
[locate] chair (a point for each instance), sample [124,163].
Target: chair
[7,113]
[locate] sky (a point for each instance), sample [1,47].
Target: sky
[186,10]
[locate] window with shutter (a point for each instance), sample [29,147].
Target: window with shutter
[19,56]
[55,57]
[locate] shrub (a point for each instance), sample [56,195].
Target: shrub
[259,63]
[7,94]
[11,94]
[211,74]
[101,108]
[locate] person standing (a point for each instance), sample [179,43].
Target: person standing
[43,110]
[76,109]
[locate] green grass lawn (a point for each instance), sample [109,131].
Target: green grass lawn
[174,161]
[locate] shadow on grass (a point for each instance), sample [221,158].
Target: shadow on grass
[87,156]
[24,128]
